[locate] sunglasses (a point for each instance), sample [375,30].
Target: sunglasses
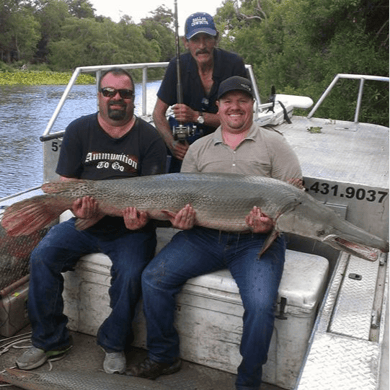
[111,92]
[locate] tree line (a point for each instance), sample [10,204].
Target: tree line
[298,46]
[64,34]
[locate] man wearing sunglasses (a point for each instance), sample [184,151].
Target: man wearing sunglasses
[112,143]
[203,68]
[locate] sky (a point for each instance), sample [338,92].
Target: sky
[114,9]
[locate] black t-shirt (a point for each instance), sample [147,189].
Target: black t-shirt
[88,152]
[226,64]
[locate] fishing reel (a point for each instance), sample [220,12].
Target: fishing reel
[182,132]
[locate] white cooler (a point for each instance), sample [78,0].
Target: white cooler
[209,313]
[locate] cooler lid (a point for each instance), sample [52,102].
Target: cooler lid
[302,283]
[303,280]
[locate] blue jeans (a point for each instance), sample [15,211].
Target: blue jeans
[200,251]
[59,251]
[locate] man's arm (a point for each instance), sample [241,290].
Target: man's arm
[161,123]
[185,114]
[178,149]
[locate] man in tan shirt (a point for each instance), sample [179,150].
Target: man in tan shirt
[240,146]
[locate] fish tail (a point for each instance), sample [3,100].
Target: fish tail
[26,217]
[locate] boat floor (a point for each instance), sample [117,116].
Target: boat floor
[87,356]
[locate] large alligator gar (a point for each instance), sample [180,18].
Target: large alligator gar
[72,380]
[221,201]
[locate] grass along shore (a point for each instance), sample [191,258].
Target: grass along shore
[37,77]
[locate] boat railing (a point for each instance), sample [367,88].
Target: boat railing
[98,70]
[339,76]
[144,66]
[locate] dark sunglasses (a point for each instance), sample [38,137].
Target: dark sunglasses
[111,92]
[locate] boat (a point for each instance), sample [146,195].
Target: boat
[336,338]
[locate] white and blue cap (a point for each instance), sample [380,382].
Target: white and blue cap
[235,83]
[200,22]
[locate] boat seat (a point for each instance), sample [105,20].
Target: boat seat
[209,312]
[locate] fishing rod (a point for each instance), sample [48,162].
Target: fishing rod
[180,132]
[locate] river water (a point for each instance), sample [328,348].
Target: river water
[24,114]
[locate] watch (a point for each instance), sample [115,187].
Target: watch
[200,119]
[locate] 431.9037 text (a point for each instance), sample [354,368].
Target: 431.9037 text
[349,192]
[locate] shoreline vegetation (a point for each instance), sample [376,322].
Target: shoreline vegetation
[42,77]
[295,46]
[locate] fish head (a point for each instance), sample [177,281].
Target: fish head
[305,219]
[355,240]
[313,219]
[359,250]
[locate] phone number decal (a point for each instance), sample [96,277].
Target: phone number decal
[349,192]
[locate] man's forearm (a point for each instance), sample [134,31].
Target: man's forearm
[162,126]
[211,119]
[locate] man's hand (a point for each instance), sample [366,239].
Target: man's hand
[259,222]
[184,114]
[179,149]
[184,219]
[85,208]
[135,219]
[296,183]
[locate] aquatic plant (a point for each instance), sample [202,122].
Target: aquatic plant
[42,78]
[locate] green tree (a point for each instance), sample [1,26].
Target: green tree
[158,29]
[163,16]
[51,15]
[19,31]
[7,7]
[300,45]
[81,8]
[90,42]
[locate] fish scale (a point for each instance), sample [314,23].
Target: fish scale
[71,380]
[211,195]
[221,202]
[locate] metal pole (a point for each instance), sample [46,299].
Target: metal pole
[180,132]
[258,106]
[359,101]
[179,87]
[144,88]
[61,102]
[324,95]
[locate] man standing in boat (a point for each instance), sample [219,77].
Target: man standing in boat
[203,68]
[110,144]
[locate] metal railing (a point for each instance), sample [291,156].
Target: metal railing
[362,79]
[98,70]
[144,66]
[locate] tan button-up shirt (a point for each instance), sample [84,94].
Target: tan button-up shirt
[263,152]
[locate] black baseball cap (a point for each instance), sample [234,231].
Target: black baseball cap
[235,83]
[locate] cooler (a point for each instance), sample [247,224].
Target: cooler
[209,313]
[13,307]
